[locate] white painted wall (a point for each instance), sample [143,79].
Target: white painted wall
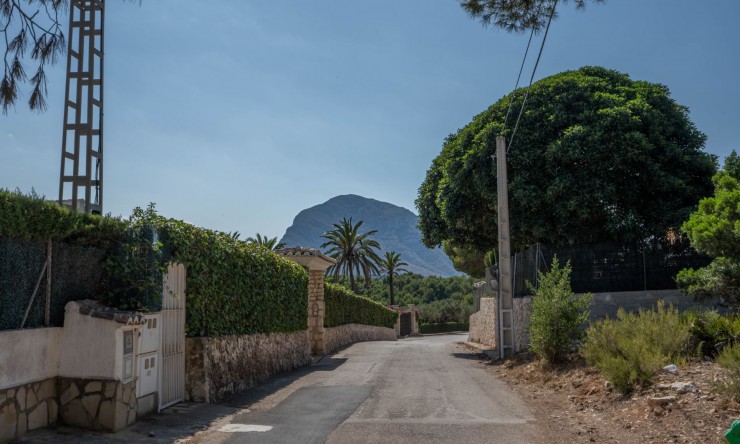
[91,347]
[28,355]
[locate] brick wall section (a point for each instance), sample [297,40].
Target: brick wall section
[338,337]
[218,367]
[316,311]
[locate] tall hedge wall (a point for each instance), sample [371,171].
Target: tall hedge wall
[345,307]
[232,287]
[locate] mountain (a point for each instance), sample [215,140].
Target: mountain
[396,231]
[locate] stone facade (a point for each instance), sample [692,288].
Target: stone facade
[218,367]
[28,407]
[338,337]
[316,310]
[483,328]
[105,405]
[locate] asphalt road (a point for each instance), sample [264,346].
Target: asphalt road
[425,390]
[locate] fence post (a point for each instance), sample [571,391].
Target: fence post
[47,308]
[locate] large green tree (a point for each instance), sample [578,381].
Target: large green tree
[391,266]
[597,157]
[355,252]
[714,229]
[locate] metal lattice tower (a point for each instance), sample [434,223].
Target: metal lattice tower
[81,176]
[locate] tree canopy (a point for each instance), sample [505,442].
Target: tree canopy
[597,157]
[714,229]
[517,15]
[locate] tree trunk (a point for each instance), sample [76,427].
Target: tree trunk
[390,283]
[351,279]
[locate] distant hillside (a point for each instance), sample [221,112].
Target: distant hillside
[396,231]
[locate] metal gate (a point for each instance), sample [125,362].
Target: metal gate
[405,323]
[172,371]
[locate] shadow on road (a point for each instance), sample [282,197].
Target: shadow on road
[272,385]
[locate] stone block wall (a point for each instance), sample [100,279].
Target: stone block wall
[316,311]
[338,337]
[28,407]
[483,327]
[218,367]
[104,405]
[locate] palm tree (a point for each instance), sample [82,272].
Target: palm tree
[270,244]
[392,265]
[354,252]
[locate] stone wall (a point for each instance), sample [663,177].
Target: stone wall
[27,407]
[104,405]
[484,324]
[483,327]
[218,367]
[338,337]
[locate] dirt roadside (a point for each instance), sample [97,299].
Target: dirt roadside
[578,406]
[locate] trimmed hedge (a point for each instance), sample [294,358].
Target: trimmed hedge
[444,327]
[342,306]
[232,287]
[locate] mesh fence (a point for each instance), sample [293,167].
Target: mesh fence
[600,268]
[76,273]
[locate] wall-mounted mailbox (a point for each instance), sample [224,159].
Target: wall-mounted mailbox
[147,355]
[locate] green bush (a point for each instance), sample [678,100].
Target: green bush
[729,359]
[710,331]
[629,350]
[342,306]
[444,327]
[557,314]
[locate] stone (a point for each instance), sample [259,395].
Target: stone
[684,387]
[107,417]
[126,393]
[22,426]
[73,413]
[20,398]
[131,417]
[91,403]
[53,411]
[8,419]
[46,390]
[39,417]
[121,415]
[92,387]
[31,400]
[660,401]
[110,389]
[69,394]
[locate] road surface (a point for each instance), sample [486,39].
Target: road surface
[417,390]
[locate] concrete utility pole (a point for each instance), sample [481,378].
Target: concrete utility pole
[505,301]
[81,176]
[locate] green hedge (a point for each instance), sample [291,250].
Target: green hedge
[234,287]
[444,327]
[345,307]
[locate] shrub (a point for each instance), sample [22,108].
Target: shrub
[629,350]
[444,327]
[711,331]
[342,306]
[729,359]
[557,314]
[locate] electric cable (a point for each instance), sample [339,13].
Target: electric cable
[531,78]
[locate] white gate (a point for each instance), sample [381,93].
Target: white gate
[172,371]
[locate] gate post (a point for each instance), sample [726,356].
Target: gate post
[315,262]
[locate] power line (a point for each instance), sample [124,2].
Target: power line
[531,78]
[521,69]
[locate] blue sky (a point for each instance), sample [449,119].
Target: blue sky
[235,114]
